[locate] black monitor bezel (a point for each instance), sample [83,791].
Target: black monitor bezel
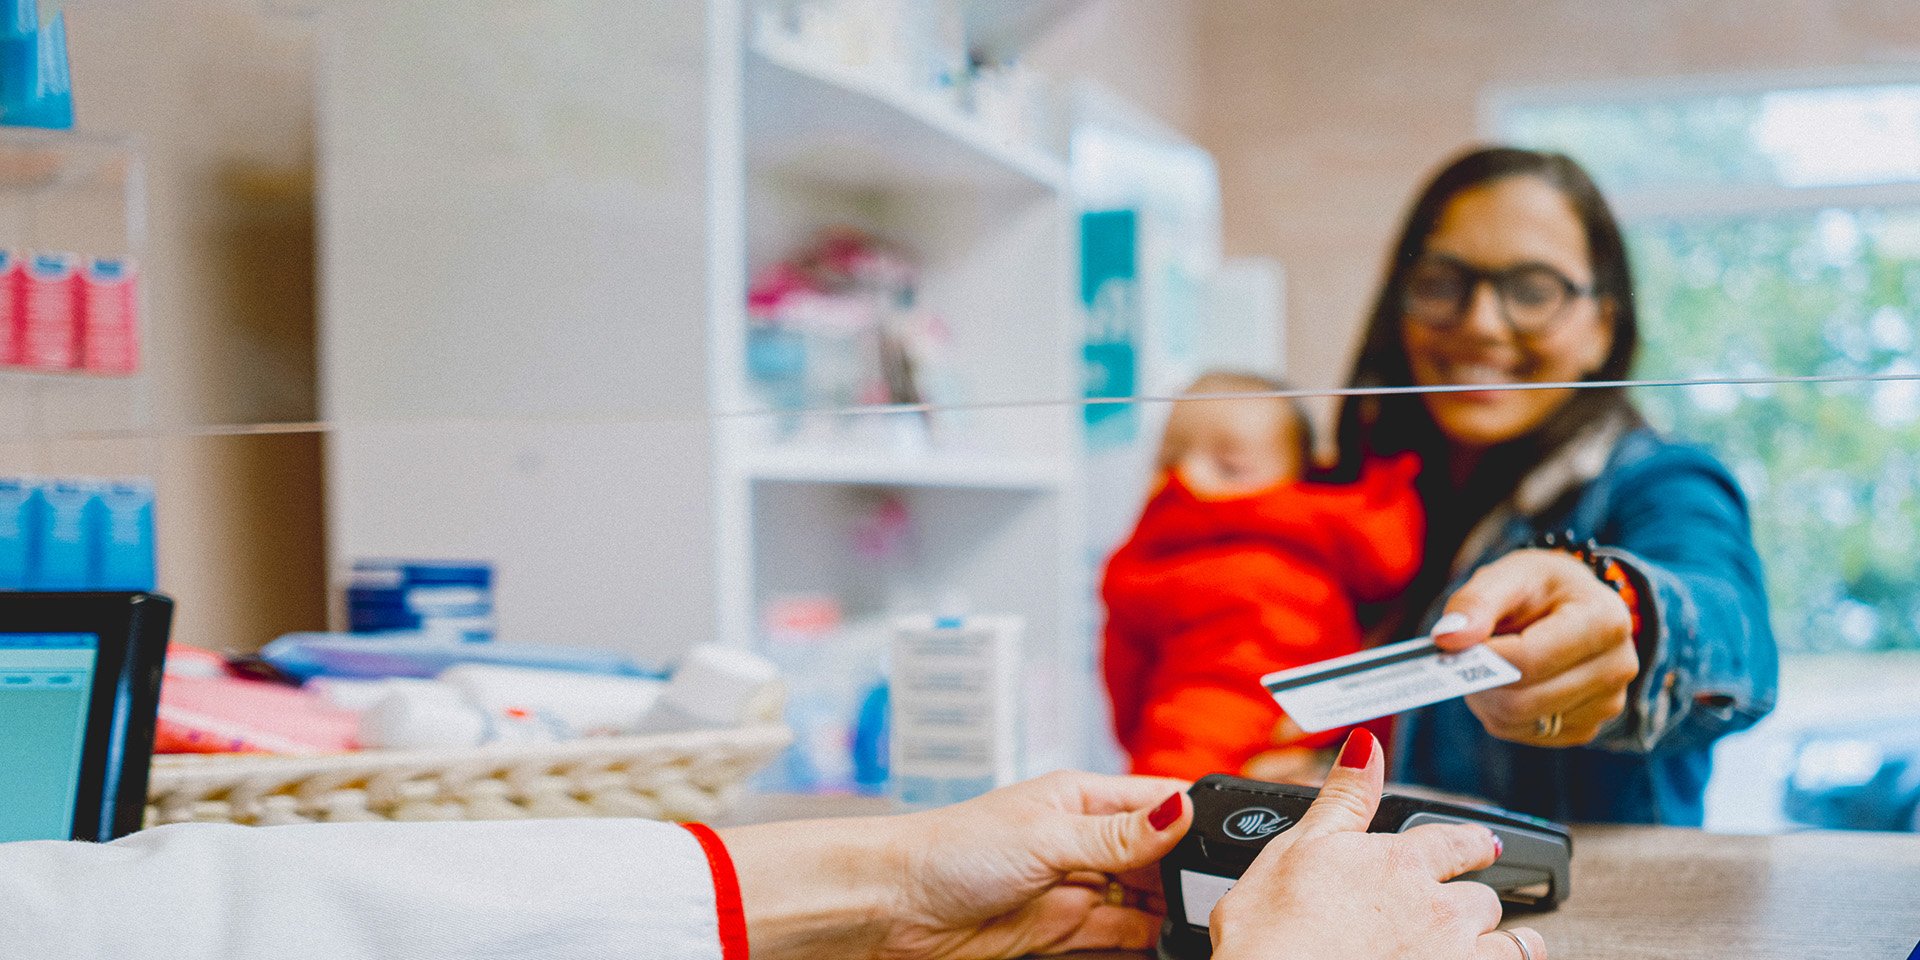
[131,629]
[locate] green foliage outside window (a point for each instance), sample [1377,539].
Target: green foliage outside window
[1832,470]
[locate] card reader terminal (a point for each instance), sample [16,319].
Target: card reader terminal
[1233,818]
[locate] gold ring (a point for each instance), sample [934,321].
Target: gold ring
[1116,894]
[1547,728]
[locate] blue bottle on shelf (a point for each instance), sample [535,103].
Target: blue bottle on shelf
[123,547]
[19,532]
[68,517]
[36,80]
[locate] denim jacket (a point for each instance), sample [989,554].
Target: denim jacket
[1677,521]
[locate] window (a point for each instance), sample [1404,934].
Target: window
[1774,229]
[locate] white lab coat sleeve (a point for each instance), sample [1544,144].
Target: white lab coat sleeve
[514,890]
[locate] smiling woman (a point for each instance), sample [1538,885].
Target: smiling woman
[1640,648]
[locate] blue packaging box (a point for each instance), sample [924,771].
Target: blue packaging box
[452,598]
[123,543]
[67,521]
[19,532]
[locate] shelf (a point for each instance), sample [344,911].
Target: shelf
[33,160]
[836,126]
[1006,28]
[941,469]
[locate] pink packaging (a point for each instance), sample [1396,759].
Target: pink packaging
[109,316]
[50,308]
[13,279]
[229,715]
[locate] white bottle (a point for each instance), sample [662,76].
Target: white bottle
[955,713]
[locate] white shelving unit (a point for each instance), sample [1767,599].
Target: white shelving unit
[598,446]
[995,501]
[83,193]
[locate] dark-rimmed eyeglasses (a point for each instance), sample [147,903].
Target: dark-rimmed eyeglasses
[1532,296]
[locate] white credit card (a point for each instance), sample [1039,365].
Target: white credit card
[1390,679]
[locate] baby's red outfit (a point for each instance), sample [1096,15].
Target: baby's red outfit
[1209,595]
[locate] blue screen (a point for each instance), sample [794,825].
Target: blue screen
[46,683]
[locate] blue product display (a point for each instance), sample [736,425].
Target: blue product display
[445,599]
[76,534]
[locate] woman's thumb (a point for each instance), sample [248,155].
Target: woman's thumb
[1351,794]
[1116,842]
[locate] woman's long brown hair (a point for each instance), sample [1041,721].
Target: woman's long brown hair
[1374,426]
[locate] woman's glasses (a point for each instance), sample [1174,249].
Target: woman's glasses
[1532,296]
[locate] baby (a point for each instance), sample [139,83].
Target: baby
[1239,568]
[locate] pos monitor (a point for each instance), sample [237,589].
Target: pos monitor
[79,690]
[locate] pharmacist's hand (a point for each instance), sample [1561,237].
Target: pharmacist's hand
[1570,635]
[1061,863]
[1328,890]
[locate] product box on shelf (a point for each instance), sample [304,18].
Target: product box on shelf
[451,599]
[50,308]
[109,318]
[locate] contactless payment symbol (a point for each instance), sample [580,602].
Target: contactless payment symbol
[1255,823]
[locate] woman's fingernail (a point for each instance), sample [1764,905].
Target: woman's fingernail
[1498,847]
[1358,751]
[1165,814]
[1450,623]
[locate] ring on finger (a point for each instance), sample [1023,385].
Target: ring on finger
[1548,727]
[1526,952]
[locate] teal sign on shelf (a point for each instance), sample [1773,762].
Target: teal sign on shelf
[1109,290]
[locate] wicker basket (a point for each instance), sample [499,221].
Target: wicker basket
[681,776]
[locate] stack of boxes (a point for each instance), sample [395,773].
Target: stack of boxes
[76,534]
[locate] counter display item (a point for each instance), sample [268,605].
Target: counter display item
[451,600]
[955,724]
[831,667]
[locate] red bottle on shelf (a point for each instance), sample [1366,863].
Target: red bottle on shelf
[109,317]
[13,281]
[50,309]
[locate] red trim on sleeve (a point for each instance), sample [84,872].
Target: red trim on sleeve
[726,892]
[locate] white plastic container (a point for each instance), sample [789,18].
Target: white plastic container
[955,714]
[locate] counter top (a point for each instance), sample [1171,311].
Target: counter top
[1666,894]
[1649,893]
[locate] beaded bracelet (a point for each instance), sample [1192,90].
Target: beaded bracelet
[1611,572]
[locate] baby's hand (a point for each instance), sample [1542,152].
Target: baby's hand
[1301,765]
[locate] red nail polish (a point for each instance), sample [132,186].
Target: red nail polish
[1498,847]
[1165,814]
[1359,749]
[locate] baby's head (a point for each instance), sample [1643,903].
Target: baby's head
[1236,445]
